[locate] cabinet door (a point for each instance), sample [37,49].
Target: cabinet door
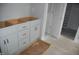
[3,45]
[35,30]
[23,26]
[8,39]
[23,39]
[11,43]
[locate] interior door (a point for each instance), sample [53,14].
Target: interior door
[55,19]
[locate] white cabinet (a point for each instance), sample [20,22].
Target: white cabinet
[3,45]
[23,35]
[23,26]
[9,41]
[34,30]
[27,33]
[18,37]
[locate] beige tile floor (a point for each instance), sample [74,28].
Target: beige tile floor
[62,46]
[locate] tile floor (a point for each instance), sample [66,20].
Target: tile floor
[62,46]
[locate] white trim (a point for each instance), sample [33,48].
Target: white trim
[47,36]
[63,18]
[44,20]
[76,40]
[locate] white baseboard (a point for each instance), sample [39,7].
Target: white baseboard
[47,36]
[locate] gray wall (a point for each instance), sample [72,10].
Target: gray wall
[72,17]
[14,10]
[73,22]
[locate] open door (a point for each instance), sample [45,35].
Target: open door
[56,12]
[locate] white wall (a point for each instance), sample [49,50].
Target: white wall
[14,10]
[55,19]
[38,10]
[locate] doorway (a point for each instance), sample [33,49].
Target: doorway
[71,21]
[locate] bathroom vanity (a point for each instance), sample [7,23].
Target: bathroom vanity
[18,34]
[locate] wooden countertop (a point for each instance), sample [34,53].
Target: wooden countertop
[11,22]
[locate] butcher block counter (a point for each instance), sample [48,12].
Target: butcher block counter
[11,22]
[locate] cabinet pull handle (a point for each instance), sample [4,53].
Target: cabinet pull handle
[4,42]
[7,41]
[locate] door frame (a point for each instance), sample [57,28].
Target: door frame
[44,21]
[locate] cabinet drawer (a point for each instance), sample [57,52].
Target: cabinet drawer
[23,26]
[35,22]
[35,33]
[23,39]
[23,34]
[8,30]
